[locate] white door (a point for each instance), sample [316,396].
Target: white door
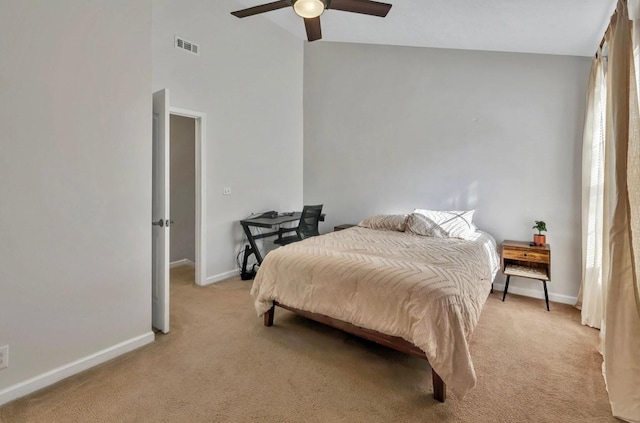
[160,212]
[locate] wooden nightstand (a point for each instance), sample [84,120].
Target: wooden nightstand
[522,259]
[343,226]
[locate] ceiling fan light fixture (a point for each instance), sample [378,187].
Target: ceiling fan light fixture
[309,9]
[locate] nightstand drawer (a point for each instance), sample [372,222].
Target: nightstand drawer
[526,255]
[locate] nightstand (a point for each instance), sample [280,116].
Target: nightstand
[520,258]
[343,226]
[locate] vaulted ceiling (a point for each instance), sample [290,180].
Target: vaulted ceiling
[566,27]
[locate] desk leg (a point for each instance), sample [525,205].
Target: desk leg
[247,252]
[546,294]
[506,288]
[252,242]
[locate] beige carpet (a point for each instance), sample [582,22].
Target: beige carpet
[219,364]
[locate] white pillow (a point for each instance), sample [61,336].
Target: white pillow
[441,224]
[385,222]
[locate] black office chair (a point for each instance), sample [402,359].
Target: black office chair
[307,227]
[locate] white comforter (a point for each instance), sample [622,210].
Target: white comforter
[429,291]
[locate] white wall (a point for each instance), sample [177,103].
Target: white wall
[75,196]
[183,189]
[388,129]
[248,80]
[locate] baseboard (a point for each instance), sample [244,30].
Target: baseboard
[49,378]
[183,262]
[220,277]
[558,298]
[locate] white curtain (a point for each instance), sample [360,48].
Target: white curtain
[610,290]
[621,329]
[591,298]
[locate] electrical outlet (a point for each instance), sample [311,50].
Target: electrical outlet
[4,357]
[226,191]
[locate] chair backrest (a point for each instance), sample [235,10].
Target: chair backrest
[309,219]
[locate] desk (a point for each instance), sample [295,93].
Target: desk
[269,223]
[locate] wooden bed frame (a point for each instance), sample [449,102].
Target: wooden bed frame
[398,344]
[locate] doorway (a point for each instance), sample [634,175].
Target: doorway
[182,191]
[198,176]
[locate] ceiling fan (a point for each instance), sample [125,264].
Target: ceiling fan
[311,10]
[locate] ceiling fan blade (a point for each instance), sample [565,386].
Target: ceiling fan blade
[366,7]
[314,32]
[261,8]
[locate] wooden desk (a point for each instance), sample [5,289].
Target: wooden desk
[520,258]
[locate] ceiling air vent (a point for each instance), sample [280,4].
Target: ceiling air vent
[183,44]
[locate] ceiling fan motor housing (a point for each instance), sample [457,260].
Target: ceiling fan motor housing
[309,9]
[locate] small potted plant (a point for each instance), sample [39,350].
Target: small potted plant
[539,239]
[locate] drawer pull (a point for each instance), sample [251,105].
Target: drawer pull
[525,254]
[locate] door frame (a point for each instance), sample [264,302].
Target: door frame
[201,135]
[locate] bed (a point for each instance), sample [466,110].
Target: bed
[421,295]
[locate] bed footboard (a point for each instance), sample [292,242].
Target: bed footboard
[398,344]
